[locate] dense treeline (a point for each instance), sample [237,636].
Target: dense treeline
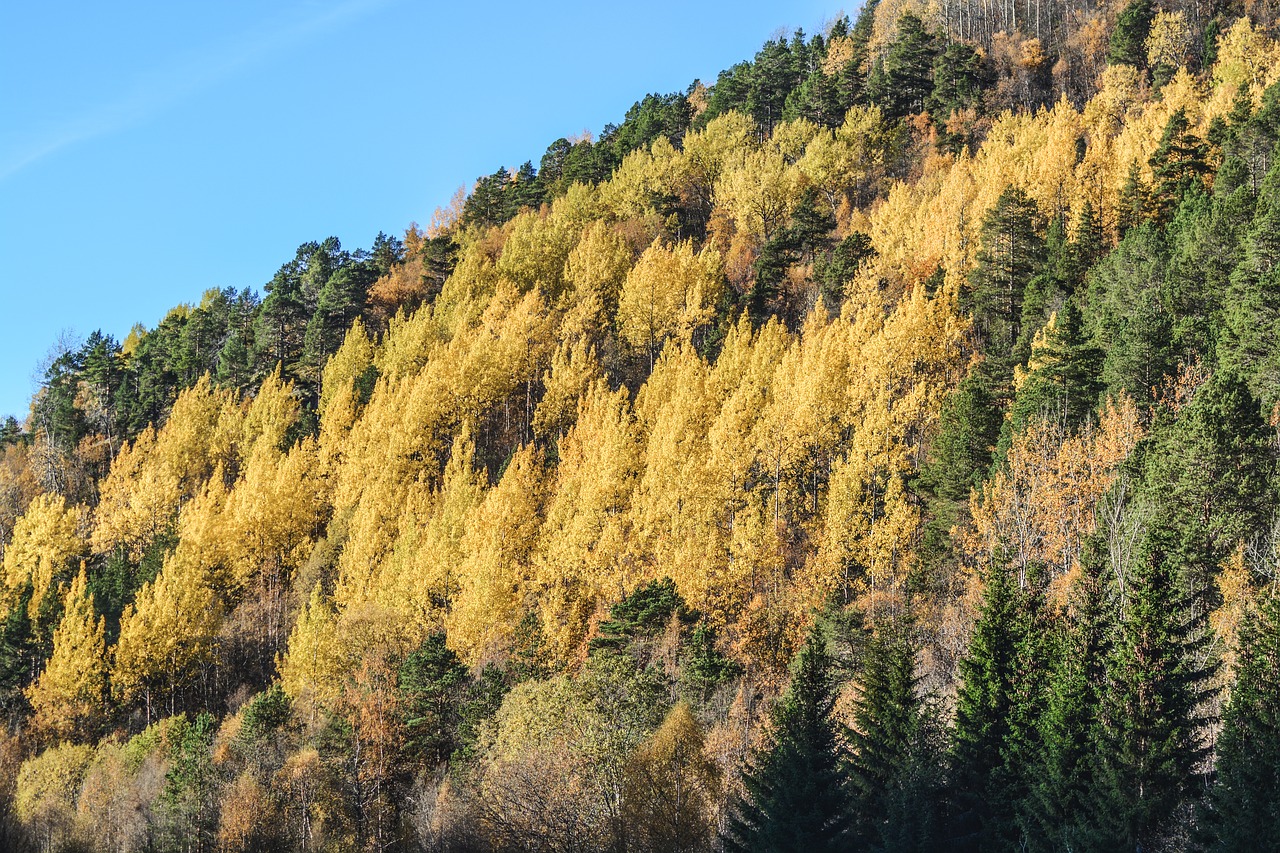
[875,450]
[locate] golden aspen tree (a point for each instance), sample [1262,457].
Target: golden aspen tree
[151,479]
[137,501]
[166,634]
[1042,506]
[273,412]
[535,252]
[643,177]
[670,292]
[45,795]
[273,512]
[314,664]
[408,343]
[599,264]
[672,786]
[352,363]
[707,152]
[418,577]
[46,545]
[759,191]
[584,545]
[574,370]
[500,540]
[790,138]
[847,159]
[69,697]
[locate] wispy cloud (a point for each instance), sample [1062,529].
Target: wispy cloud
[168,86]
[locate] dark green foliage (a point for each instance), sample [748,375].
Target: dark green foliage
[804,233]
[1250,342]
[775,73]
[265,713]
[430,680]
[1210,474]
[906,82]
[1013,252]
[1133,207]
[340,301]
[10,432]
[1151,740]
[20,656]
[188,802]
[795,797]
[968,428]
[654,117]
[704,668]
[1178,165]
[959,76]
[1063,380]
[1204,240]
[640,616]
[115,580]
[1243,809]
[894,763]
[1056,813]
[1129,318]
[1001,694]
[836,268]
[1129,38]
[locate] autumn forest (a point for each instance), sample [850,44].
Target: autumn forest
[874,449]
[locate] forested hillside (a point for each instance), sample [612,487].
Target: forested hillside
[873,450]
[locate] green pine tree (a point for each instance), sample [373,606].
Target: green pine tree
[997,704]
[1056,814]
[893,765]
[1243,811]
[795,796]
[1250,343]
[1153,717]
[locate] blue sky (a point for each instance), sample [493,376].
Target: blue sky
[150,151]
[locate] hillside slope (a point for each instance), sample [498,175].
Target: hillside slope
[949,371]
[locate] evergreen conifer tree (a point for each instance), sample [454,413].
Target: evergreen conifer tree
[796,797]
[1243,812]
[997,704]
[893,763]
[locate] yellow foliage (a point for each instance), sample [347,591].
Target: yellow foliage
[759,190]
[47,542]
[69,698]
[345,366]
[583,545]
[535,252]
[1042,507]
[669,293]
[598,264]
[499,544]
[167,633]
[47,787]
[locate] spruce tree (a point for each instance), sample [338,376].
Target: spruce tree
[1129,38]
[907,79]
[893,763]
[998,702]
[1152,719]
[1063,381]
[795,796]
[1243,812]
[1056,814]
[1133,207]
[1178,165]
[1250,342]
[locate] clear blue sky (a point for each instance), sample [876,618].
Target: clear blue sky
[150,151]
